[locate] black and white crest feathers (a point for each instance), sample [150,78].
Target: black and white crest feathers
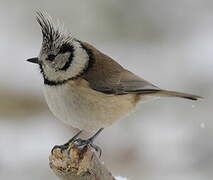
[54,34]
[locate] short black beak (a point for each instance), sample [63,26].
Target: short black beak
[34,60]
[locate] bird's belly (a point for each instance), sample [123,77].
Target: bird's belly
[85,108]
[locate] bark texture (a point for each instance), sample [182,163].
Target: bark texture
[79,164]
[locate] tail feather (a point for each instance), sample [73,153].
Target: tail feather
[177,94]
[165,93]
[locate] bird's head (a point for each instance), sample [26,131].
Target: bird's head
[62,57]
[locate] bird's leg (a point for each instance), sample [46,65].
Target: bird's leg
[85,142]
[68,144]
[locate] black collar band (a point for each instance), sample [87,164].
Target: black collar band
[55,83]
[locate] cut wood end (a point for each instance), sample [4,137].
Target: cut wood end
[79,164]
[76,162]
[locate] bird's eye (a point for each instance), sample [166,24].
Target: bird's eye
[51,57]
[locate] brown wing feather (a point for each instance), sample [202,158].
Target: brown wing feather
[107,76]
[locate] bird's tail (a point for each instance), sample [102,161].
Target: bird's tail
[176,94]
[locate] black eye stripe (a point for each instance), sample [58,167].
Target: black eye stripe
[51,57]
[65,48]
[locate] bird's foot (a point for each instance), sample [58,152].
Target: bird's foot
[85,143]
[88,142]
[67,145]
[78,142]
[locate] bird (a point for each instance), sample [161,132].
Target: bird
[84,87]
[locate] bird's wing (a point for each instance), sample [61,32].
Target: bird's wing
[126,83]
[107,76]
[130,83]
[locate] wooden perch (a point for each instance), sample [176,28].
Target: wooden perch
[79,164]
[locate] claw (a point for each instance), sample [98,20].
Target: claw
[75,142]
[66,145]
[61,147]
[83,143]
[97,149]
[88,142]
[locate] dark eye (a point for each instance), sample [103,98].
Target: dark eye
[51,57]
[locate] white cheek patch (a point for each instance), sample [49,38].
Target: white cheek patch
[61,59]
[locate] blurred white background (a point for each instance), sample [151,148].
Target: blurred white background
[169,43]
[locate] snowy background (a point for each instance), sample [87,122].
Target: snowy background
[169,43]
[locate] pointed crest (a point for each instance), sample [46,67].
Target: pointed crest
[53,32]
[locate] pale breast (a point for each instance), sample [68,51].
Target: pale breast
[79,106]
